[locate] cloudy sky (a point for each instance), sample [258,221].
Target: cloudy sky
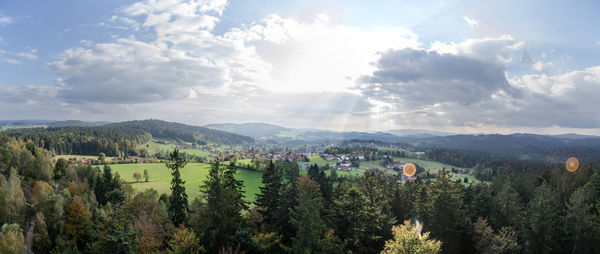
[458,66]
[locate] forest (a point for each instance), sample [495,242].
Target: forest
[57,207]
[120,139]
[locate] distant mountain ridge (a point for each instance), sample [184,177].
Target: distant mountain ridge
[51,123]
[254,130]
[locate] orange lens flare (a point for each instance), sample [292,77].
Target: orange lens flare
[409,169]
[572,164]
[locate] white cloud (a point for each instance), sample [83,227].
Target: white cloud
[318,56]
[4,20]
[17,57]
[186,60]
[11,61]
[472,22]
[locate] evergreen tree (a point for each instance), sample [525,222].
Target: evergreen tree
[543,221]
[446,218]
[306,218]
[270,195]
[224,205]
[579,226]
[352,217]
[289,200]
[506,206]
[487,242]
[178,200]
[378,227]
[146,175]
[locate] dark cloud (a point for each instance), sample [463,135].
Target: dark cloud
[426,87]
[419,77]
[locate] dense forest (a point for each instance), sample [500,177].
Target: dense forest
[48,207]
[120,139]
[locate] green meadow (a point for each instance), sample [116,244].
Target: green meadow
[194,175]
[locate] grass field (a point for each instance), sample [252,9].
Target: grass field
[194,174]
[289,134]
[433,166]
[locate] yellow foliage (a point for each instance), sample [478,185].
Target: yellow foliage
[408,239]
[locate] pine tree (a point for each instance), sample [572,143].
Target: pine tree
[235,190]
[579,227]
[543,221]
[178,200]
[270,195]
[289,200]
[446,218]
[380,221]
[306,218]
[352,217]
[224,205]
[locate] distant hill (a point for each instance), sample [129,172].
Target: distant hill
[418,133]
[497,142]
[172,130]
[49,123]
[275,133]
[255,130]
[120,138]
[70,123]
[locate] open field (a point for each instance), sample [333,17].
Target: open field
[194,174]
[319,161]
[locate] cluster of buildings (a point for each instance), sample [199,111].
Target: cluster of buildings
[289,157]
[130,159]
[343,157]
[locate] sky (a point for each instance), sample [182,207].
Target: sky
[454,66]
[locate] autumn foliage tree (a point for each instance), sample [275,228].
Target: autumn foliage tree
[137,176]
[77,220]
[408,239]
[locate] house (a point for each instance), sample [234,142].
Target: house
[346,163]
[342,168]
[87,160]
[361,156]
[330,157]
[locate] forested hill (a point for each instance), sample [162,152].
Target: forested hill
[255,130]
[189,133]
[120,138]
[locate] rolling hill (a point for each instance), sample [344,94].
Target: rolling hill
[255,130]
[120,138]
